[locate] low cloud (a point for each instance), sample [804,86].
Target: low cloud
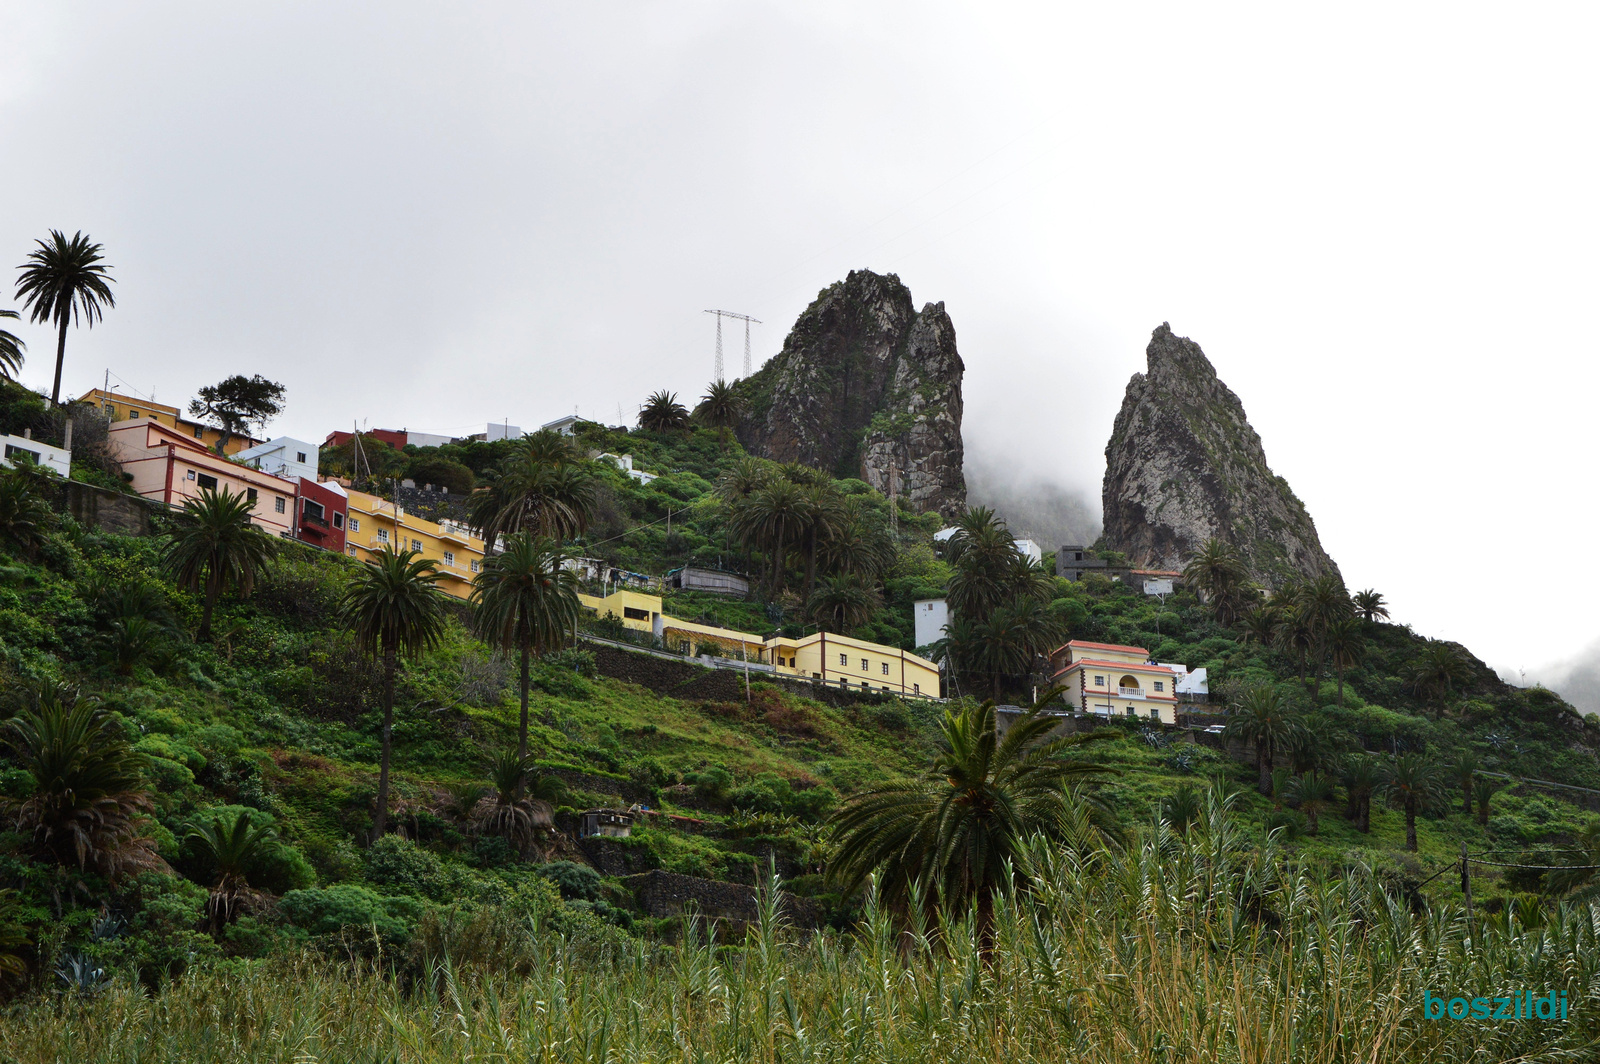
[1577,679]
[1033,506]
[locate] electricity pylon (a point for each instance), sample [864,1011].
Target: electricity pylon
[747,319]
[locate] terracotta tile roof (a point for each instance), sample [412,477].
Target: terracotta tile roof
[1083,645]
[1115,666]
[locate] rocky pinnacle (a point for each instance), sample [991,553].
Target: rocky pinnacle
[1183,466]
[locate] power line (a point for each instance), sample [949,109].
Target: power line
[747,319]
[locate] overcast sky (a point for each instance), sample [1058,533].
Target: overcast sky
[1379,222]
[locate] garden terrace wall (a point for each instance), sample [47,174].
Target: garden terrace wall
[107,511]
[663,894]
[692,681]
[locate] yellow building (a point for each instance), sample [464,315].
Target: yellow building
[1111,679]
[120,407]
[833,659]
[374,523]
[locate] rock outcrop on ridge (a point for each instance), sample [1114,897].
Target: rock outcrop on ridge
[866,384]
[1183,466]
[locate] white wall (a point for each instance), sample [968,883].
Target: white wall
[53,458]
[931,616]
[283,457]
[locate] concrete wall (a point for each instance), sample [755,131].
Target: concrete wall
[107,511]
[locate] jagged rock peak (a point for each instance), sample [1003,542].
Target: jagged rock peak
[1183,466]
[866,384]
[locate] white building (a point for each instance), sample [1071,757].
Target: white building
[1189,683]
[502,431]
[564,425]
[1030,550]
[283,457]
[624,462]
[932,617]
[55,459]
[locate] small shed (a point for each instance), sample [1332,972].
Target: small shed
[608,823]
[714,581]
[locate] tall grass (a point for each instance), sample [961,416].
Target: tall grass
[1198,948]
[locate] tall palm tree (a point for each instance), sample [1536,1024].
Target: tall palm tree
[1463,769]
[89,796]
[65,282]
[216,546]
[720,407]
[230,848]
[395,610]
[1262,717]
[525,600]
[983,554]
[1370,605]
[1261,625]
[827,515]
[1361,778]
[663,413]
[1411,783]
[853,538]
[773,518]
[1311,792]
[1220,574]
[11,348]
[957,829]
[843,603]
[537,492]
[1345,648]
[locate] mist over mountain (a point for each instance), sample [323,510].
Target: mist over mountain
[1033,505]
[1577,680]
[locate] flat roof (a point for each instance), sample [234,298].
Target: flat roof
[1081,644]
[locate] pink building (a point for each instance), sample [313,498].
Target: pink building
[167,465]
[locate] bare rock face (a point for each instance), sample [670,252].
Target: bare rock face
[866,384]
[1184,466]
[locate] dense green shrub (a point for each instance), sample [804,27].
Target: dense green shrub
[573,880]
[406,868]
[330,910]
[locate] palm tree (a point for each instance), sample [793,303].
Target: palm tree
[1345,648]
[24,516]
[89,796]
[1370,605]
[663,413]
[773,518]
[65,282]
[1360,777]
[720,407]
[1464,770]
[525,600]
[1411,783]
[538,492]
[11,348]
[743,479]
[231,848]
[1299,638]
[843,603]
[1436,670]
[828,516]
[1220,574]
[1182,808]
[853,538]
[395,610]
[957,830]
[216,546]
[1261,625]
[1311,793]
[1484,789]
[521,809]
[1261,716]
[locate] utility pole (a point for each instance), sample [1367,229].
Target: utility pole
[1466,880]
[747,319]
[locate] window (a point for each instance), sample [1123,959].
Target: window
[301,457]
[1161,685]
[383,535]
[416,544]
[132,412]
[916,688]
[208,481]
[315,512]
[1155,714]
[338,520]
[886,668]
[633,614]
[351,550]
[449,557]
[863,664]
[277,504]
[250,493]
[843,682]
[1099,681]
[197,431]
[844,659]
[475,565]
[355,524]
[1130,711]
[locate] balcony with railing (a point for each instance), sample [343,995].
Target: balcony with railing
[1130,692]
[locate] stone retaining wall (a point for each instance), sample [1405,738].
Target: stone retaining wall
[107,511]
